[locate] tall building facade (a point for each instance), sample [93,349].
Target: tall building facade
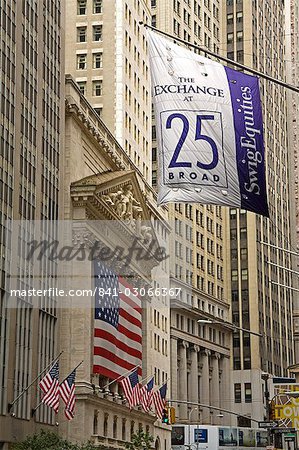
[292,65]
[200,353]
[32,103]
[107,56]
[261,301]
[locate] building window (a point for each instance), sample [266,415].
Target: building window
[97,60]
[230,55]
[244,274]
[97,6]
[240,56]
[240,17]
[81,7]
[239,36]
[237,363]
[98,111]
[114,431]
[95,422]
[237,390]
[154,20]
[123,430]
[97,88]
[230,38]
[234,276]
[105,425]
[248,395]
[154,3]
[82,61]
[82,86]
[243,233]
[154,154]
[230,19]
[154,178]
[243,253]
[97,32]
[81,34]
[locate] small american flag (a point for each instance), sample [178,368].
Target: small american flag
[67,392]
[118,325]
[49,384]
[131,388]
[159,398]
[146,395]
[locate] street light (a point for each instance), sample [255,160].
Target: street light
[189,427]
[229,325]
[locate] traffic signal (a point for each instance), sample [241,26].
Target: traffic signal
[171,413]
[165,416]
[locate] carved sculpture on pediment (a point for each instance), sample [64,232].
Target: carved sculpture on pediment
[124,203]
[146,235]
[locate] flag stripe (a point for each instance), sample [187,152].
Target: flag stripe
[125,314]
[130,302]
[114,341]
[116,360]
[109,373]
[130,334]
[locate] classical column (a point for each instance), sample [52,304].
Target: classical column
[174,368]
[193,386]
[215,385]
[226,390]
[183,345]
[205,385]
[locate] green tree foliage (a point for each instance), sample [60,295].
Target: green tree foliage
[47,440]
[140,441]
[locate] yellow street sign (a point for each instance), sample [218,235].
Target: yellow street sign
[289,411]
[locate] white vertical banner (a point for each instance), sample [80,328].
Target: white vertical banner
[209,130]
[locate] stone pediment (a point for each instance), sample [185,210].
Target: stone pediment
[119,192]
[117,197]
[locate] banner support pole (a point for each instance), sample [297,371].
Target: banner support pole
[223,58]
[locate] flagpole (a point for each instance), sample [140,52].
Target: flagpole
[223,58]
[146,378]
[10,405]
[165,382]
[36,408]
[78,365]
[118,378]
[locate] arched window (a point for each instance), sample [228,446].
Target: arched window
[95,422]
[115,427]
[157,444]
[123,430]
[105,425]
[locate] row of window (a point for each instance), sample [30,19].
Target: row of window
[97,87]
[97,7]
[235,275]
[97,33]
[230,37]
[97,61]
[159,320]
[238,393]
[160,344]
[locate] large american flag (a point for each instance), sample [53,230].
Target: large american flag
[159,399]
[146,395]
[131,388]
[67,392]
[49,384]
[118,325]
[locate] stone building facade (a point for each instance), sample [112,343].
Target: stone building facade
[95,168]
